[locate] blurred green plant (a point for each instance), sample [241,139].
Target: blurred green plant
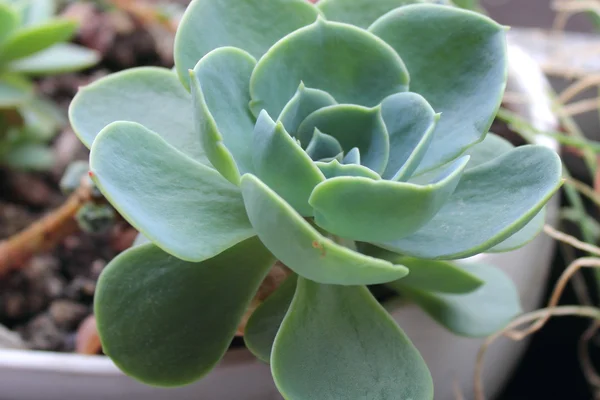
[33,43]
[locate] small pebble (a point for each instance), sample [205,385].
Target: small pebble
[43,334]
[67,314]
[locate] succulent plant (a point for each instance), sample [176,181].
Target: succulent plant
[347,140]
[32,43]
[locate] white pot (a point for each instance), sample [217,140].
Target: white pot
[32,375]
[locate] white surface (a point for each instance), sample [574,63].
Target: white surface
[28,375]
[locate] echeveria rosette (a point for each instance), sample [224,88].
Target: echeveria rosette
[345,139]
[33,43]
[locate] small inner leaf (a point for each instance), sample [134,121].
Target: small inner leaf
[369,210]
[410,122]
[353,126]
[337,341]
[323,146]
[334,169]
[352,157]
[305,101]
[303,249]
[282,164]
[351,64]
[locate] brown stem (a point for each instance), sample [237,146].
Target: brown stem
[43,234]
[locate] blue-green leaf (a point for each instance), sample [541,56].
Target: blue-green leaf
[223,76]
[60,58]
[281,163]
[491,203]
[353,126]
[337,342]
[370,210]
[302,248]
[457,61]
[305,101]
[184,207]
[323,146]
[523,236]
[479,313]
[263,324]
[410,122]
[149,96]
[168,322]
[334,169]
[251,25]
[361,13]
[352,65]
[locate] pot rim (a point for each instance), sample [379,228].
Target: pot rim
[526,78]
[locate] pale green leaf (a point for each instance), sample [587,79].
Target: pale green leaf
[9,21]
[182,206]
[305,101]
[14,90]
[491,203]
[479,313]
[323,146]
[60,58]
[149,96]
[370,210]
[353,126]
[282,165]
[351,64]
[30,40]
[334,169]
[338,342]
[361,13]
[251,25]
[457,61]
[302,248]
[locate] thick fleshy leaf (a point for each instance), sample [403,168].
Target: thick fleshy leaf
[223,76]
[457,61]
[351,64]
[410,122]
[185,207]
[281,163]
[251,25]
[361,13]
[9,21]
[491,147]
[334,169]
[523,236]
[211,139]
[370,210]
[30,40]
[35,12]
[490,203]
[352,157]
[337,342]
[305,101]
[353,126]
[42,117]
[265,321]
[60,58]
[303,249]
[168,322]
[435,276]
[149,96]
[479,313]
[14,90]
[29,157]
[323,146]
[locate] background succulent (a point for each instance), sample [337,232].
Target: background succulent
[348,140]
[32,43]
